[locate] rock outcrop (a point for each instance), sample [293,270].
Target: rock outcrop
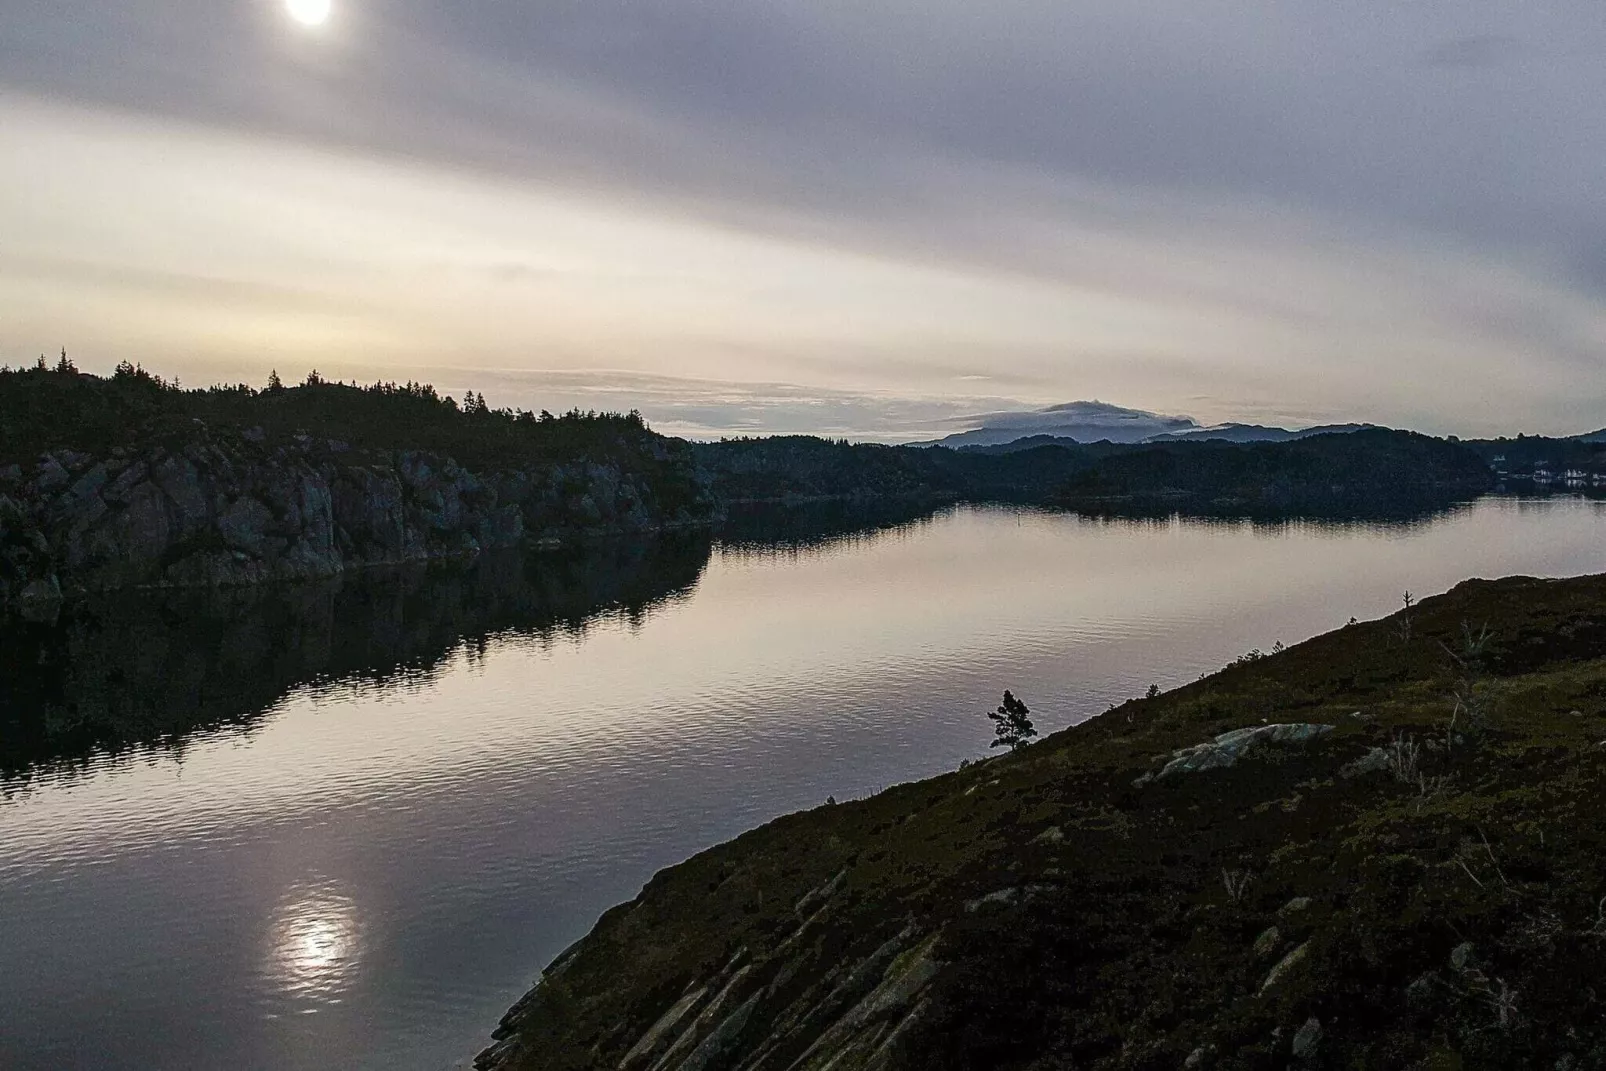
[223,509]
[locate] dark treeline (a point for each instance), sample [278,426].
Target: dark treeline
[48,407]
[1525,453]
[1376,473]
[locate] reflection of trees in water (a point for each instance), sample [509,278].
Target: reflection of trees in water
[778,530]
[146,669]
[774,530]
[1397,514]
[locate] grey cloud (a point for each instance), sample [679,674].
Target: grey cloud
[1479,50]
[997,134]
[707,409]
[828,108]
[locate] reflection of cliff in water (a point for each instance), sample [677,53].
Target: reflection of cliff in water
[148,668]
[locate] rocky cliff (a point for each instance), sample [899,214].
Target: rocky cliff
[222,508]
[1378,849]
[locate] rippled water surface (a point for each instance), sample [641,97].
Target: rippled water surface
[345,827]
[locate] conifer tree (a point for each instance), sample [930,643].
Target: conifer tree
[1012,724]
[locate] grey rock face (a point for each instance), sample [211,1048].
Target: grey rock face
[244,511]
[244,525]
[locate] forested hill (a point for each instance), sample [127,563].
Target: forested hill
[130,481]
[1365,471]
[1372,471]
[43,410]
[1525,453]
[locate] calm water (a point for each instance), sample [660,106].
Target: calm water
[346,826]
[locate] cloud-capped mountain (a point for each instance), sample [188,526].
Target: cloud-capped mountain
[1090,422]
[1083,421]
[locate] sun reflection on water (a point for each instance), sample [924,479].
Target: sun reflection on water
[315,944]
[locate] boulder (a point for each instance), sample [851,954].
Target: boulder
[1306,1038]
[1226,749]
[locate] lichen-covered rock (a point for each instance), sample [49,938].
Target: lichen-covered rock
[1306,1038]
[1226,749]
[1285,967]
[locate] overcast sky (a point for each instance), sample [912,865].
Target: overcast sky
[864,217]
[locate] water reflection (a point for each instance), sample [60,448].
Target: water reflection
[149,670]
[315,945]
[146,672]
[416,790]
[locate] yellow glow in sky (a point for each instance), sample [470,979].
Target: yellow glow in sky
[309,12]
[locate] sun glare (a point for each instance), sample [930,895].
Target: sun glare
[309,12]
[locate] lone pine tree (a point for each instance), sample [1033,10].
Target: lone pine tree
[1012,724]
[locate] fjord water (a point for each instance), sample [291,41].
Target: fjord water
[345,826]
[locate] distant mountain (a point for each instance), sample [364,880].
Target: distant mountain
[1091,422]
[1259,433]
[1083,422]
[1592,437]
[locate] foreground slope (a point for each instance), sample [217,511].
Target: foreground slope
[1399,865]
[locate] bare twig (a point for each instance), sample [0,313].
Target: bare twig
[1463,864]
[1490,852]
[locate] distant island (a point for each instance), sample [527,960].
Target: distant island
[1380,848]
[131,481]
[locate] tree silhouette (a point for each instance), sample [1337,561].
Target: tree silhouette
[1012,724]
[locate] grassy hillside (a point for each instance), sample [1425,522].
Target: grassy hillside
[1418,886]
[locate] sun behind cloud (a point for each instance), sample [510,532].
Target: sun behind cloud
[309,12]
